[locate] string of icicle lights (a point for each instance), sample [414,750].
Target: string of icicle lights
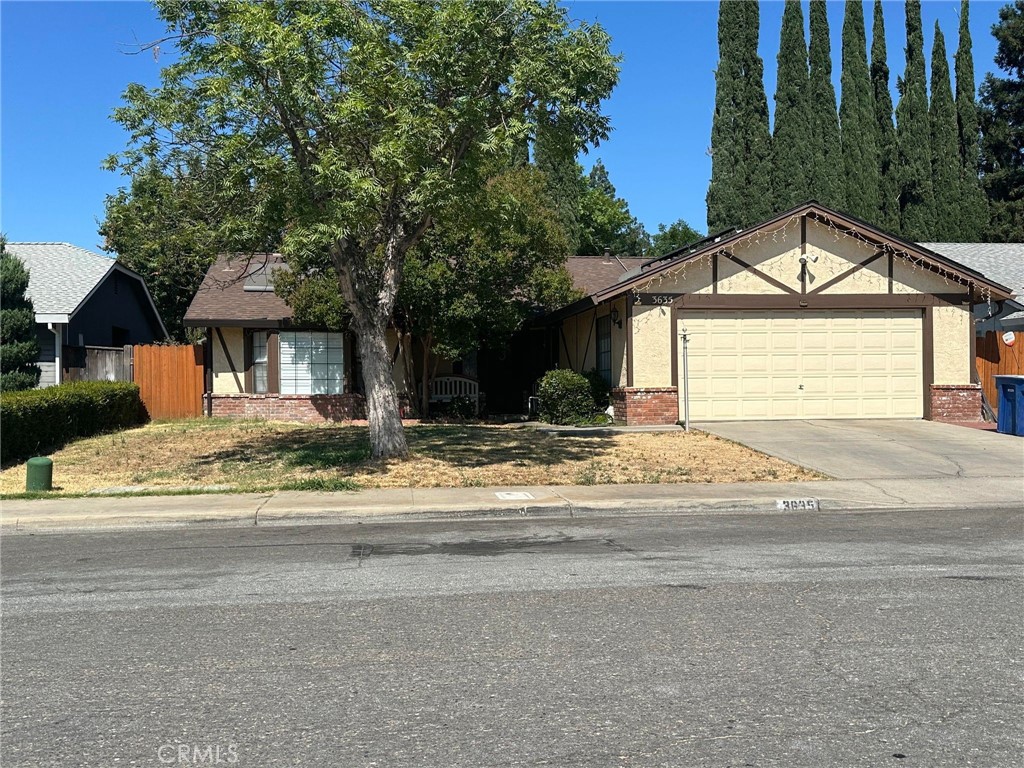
[780,234]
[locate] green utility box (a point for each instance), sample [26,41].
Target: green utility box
[39,474]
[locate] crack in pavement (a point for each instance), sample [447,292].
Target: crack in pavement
[261,505]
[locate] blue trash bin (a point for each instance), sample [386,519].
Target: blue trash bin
[1011,405]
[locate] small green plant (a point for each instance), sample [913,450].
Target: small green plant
[565,397]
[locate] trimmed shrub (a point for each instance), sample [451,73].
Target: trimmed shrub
[600,390]
[40,421]
[565,397]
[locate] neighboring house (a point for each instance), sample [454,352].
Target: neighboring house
[810,315]
[84,299]
[259,363]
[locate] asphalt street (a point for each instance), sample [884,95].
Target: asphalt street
[870,639]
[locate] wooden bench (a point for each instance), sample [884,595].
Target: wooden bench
[444,389]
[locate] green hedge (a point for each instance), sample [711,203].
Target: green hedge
[565,397]
[39,421]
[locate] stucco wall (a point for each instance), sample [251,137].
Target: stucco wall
[652,346]
[226,380]
[952,329]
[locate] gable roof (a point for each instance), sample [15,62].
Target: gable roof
[62,277]
[223,298]
[594,273]
[861,229]
[1002,262]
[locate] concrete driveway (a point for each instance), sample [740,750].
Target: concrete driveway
[871,449]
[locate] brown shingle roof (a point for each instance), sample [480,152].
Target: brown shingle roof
[223,301]
[595,273]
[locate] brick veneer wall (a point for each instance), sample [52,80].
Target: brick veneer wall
[306,408]
[956,402]
[646,405]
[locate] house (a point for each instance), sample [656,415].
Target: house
[812,314]
[84,299]
[261,364]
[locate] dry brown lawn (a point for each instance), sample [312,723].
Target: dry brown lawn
[252,455]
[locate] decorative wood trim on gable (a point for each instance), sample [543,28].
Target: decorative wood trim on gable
[848,273]
[757,272]
[586,347]
[565,344]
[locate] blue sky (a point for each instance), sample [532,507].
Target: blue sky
[64,65]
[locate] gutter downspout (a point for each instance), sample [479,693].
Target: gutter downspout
[58,332]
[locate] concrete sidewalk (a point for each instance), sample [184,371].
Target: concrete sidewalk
[383,505]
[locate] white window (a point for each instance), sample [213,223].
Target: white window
[259,361]
[312,363]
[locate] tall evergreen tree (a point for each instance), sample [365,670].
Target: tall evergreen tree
[19,348]
[555,153]
[913,137]
[888,217]
[1002,127]
[858,130]
[826,150]
[945,151]
[740,190]
[792,136]
[974,221]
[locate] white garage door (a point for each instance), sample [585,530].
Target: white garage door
[777,364]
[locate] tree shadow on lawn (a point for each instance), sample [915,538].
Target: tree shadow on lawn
[459,446]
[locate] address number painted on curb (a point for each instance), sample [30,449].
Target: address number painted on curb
[513,495]
[791,505]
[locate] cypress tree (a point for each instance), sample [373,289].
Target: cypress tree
[858,131]
[888,217]
[975,208]
[740,189]
[792,137]
[826,151]
[555,154]
[945,150]
[913,137]
[19,348]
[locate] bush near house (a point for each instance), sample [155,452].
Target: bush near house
[39,421]
[565,397]
[599,389]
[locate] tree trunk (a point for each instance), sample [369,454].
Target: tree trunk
[387,438]
[428,341]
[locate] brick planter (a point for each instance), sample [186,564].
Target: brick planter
[306,408]
[646,405]
[956,402]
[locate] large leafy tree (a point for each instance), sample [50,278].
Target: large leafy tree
[974,216]
[946,165]
[888,217]
[792,128]
[673,237]
[19,348]
[740,189]
[1002,123]
[826,160]
[605,220]
[355,124]
[913,137]
[859,130]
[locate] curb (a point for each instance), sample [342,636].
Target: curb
[57,523]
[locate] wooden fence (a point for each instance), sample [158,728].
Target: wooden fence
[992,358]
[96,363]
[170,380]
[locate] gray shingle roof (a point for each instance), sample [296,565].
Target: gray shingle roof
[60,275]
[1000,262]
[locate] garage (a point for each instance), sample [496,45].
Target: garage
[808,315]
[777,364]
